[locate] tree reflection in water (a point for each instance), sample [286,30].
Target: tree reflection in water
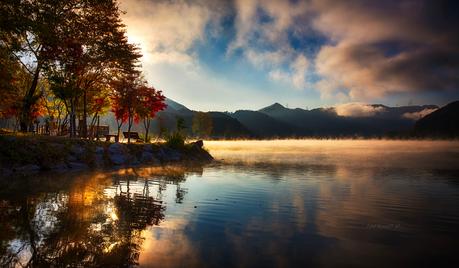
[87,220]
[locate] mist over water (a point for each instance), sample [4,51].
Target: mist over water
[356,153]
[279,203]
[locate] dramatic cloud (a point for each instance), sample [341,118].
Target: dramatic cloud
[358,110]
[296,74]
[418,115]
[387,47]
[167,30]
[346,51]
[262,33]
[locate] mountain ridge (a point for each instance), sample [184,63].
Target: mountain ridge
[278,121]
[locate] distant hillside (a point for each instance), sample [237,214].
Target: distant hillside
[262,125]
[443,123]
[225,126]
[278,121]
[326,121]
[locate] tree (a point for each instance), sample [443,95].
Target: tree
[28,32]
[95,51]
[77,43]
[151,102]
[125,101]
[202,124]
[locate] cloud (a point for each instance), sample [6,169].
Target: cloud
[296,74]
[348,51]
[167,30]
[358,110]
[420,114]
[386,47]
[262,29]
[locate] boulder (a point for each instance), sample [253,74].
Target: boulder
[59,166]
[148,148]
[28,168]
[77,151]
[77,165]
[199,144]
[100,150]
[148,157]
[169,155]
[118,154]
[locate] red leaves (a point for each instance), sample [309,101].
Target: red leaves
[151,101]
[132,98]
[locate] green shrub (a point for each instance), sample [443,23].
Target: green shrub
[175,140]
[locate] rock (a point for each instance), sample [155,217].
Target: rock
[4,172]
[100,150]
[78,151]
[199,144]
[198,153]
[77,165]
[59,166]
[118,154]
[148,157]
[148,148]
[169,155]
[28,168]
[99,160]
[71,158]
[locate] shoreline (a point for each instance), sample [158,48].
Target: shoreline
[30,154]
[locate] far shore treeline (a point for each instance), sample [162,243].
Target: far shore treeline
[67,63]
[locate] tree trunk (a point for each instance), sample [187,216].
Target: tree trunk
[130,119]
[97,129]
[72,119]
[117,138]
[25,120]
[146,124]
[84,127]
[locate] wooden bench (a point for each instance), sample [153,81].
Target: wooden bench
[99,131]
[108,137]
[132,135]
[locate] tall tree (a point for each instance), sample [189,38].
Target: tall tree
[79,43]
[105,55]
[151,102]
[29,31]
[125,101]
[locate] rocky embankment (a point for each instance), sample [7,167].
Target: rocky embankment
[29,153]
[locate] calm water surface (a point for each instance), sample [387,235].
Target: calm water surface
[264,204]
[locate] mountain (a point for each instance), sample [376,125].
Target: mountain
[326,122]
[442,123]
[225,126]
[262,125]
[278,121]
[176,107]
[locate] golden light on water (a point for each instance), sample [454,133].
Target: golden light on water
[336,152]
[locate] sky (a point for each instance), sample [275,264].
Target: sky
[215,55]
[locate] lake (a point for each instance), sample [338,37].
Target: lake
[281,203]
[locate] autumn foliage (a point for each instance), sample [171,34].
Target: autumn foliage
[133,100]
[70,61]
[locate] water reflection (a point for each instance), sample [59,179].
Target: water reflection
[92,219]
[314,207]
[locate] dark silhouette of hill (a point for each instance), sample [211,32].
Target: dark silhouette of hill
[443,123]
[278,121]
[225,126]
[326,122]
[263,125]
